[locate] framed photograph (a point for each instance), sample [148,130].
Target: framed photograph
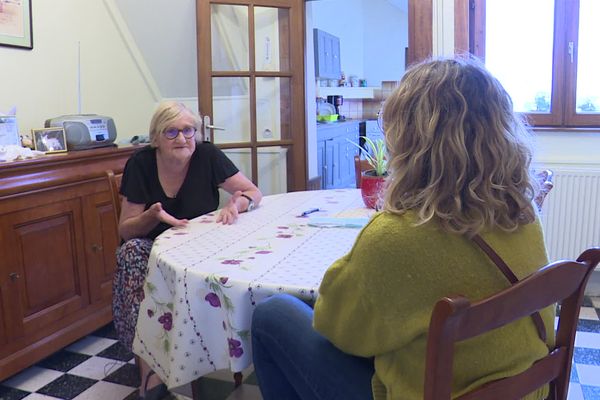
[9,132]
[49,140]
[15,24]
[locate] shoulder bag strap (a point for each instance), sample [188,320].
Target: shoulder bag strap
[512,278]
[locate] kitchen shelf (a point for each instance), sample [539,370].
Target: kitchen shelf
[347,92]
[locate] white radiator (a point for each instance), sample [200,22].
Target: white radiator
[571,212]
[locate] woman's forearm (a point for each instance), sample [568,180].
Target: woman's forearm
[138,226]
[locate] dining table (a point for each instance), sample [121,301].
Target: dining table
[205,279]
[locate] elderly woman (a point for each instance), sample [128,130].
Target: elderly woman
[459,163]
[164,185]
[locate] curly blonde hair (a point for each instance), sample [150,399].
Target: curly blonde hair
[457,151]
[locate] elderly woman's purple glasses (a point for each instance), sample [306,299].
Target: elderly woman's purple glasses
[172,133]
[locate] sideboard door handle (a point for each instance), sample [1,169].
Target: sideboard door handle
[13,276]
[96,247]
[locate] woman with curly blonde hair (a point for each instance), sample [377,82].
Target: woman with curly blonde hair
[459,173]
[458,153]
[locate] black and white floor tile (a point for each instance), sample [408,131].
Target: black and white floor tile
[97,367]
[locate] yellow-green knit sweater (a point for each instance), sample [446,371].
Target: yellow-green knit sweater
[377,300]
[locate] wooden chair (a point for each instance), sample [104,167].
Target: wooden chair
[114,183]
[455,319]
[360,165]
[544,178]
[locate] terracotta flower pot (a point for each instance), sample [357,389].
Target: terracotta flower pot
[371,188]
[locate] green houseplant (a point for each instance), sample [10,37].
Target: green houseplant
[375,153]
[372,181]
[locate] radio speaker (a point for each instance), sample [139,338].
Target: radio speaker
[77,134]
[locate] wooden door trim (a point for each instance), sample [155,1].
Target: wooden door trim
[252,92]
[461,26]
[420,24]
[204,54]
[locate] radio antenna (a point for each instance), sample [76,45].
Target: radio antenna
[78,77]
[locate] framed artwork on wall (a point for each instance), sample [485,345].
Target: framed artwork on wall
[49,140]
[15,24]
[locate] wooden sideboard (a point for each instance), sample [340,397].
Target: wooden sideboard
[57,241]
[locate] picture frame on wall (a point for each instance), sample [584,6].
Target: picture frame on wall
[16,29]
[49,140]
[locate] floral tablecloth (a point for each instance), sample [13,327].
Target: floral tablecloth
[204,280]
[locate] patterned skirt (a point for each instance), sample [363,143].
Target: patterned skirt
[128,287]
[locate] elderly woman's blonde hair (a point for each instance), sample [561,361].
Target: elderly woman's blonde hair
[458,154]
[166,113]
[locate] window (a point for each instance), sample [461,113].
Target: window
[545,54]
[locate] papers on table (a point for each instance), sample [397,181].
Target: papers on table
[338,222]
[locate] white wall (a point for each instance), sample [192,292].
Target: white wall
[310,93]
[42,83]
[385,40]
[166,36]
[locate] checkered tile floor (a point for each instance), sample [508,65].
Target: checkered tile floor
[97,367]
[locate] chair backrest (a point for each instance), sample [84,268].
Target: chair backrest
[455,319]
[114,183]
[544,178]
[360,165]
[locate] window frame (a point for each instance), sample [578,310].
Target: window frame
[563,113]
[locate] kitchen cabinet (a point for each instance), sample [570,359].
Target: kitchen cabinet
[335,153]
[58,242]
[327,55]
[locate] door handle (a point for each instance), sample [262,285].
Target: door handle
[13,276]
[207,127]
[97,247]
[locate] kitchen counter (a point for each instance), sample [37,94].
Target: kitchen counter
[339,123]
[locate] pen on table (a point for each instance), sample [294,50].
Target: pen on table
[310,211]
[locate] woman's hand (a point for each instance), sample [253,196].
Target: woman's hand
[157,212]
[137,222]
[229,213]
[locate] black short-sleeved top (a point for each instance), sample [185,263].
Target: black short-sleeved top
[198,195]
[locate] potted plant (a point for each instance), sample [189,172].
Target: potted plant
[372,180]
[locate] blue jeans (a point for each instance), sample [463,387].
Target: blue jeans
[293,361]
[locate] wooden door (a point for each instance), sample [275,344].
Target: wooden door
[251,84]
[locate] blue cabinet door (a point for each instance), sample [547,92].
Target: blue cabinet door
[327,55]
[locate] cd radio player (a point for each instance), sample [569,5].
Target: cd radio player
[85,131]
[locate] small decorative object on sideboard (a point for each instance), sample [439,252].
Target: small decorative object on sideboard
[27,142]
[49,140]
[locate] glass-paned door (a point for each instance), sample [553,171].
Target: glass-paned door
[251,87]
